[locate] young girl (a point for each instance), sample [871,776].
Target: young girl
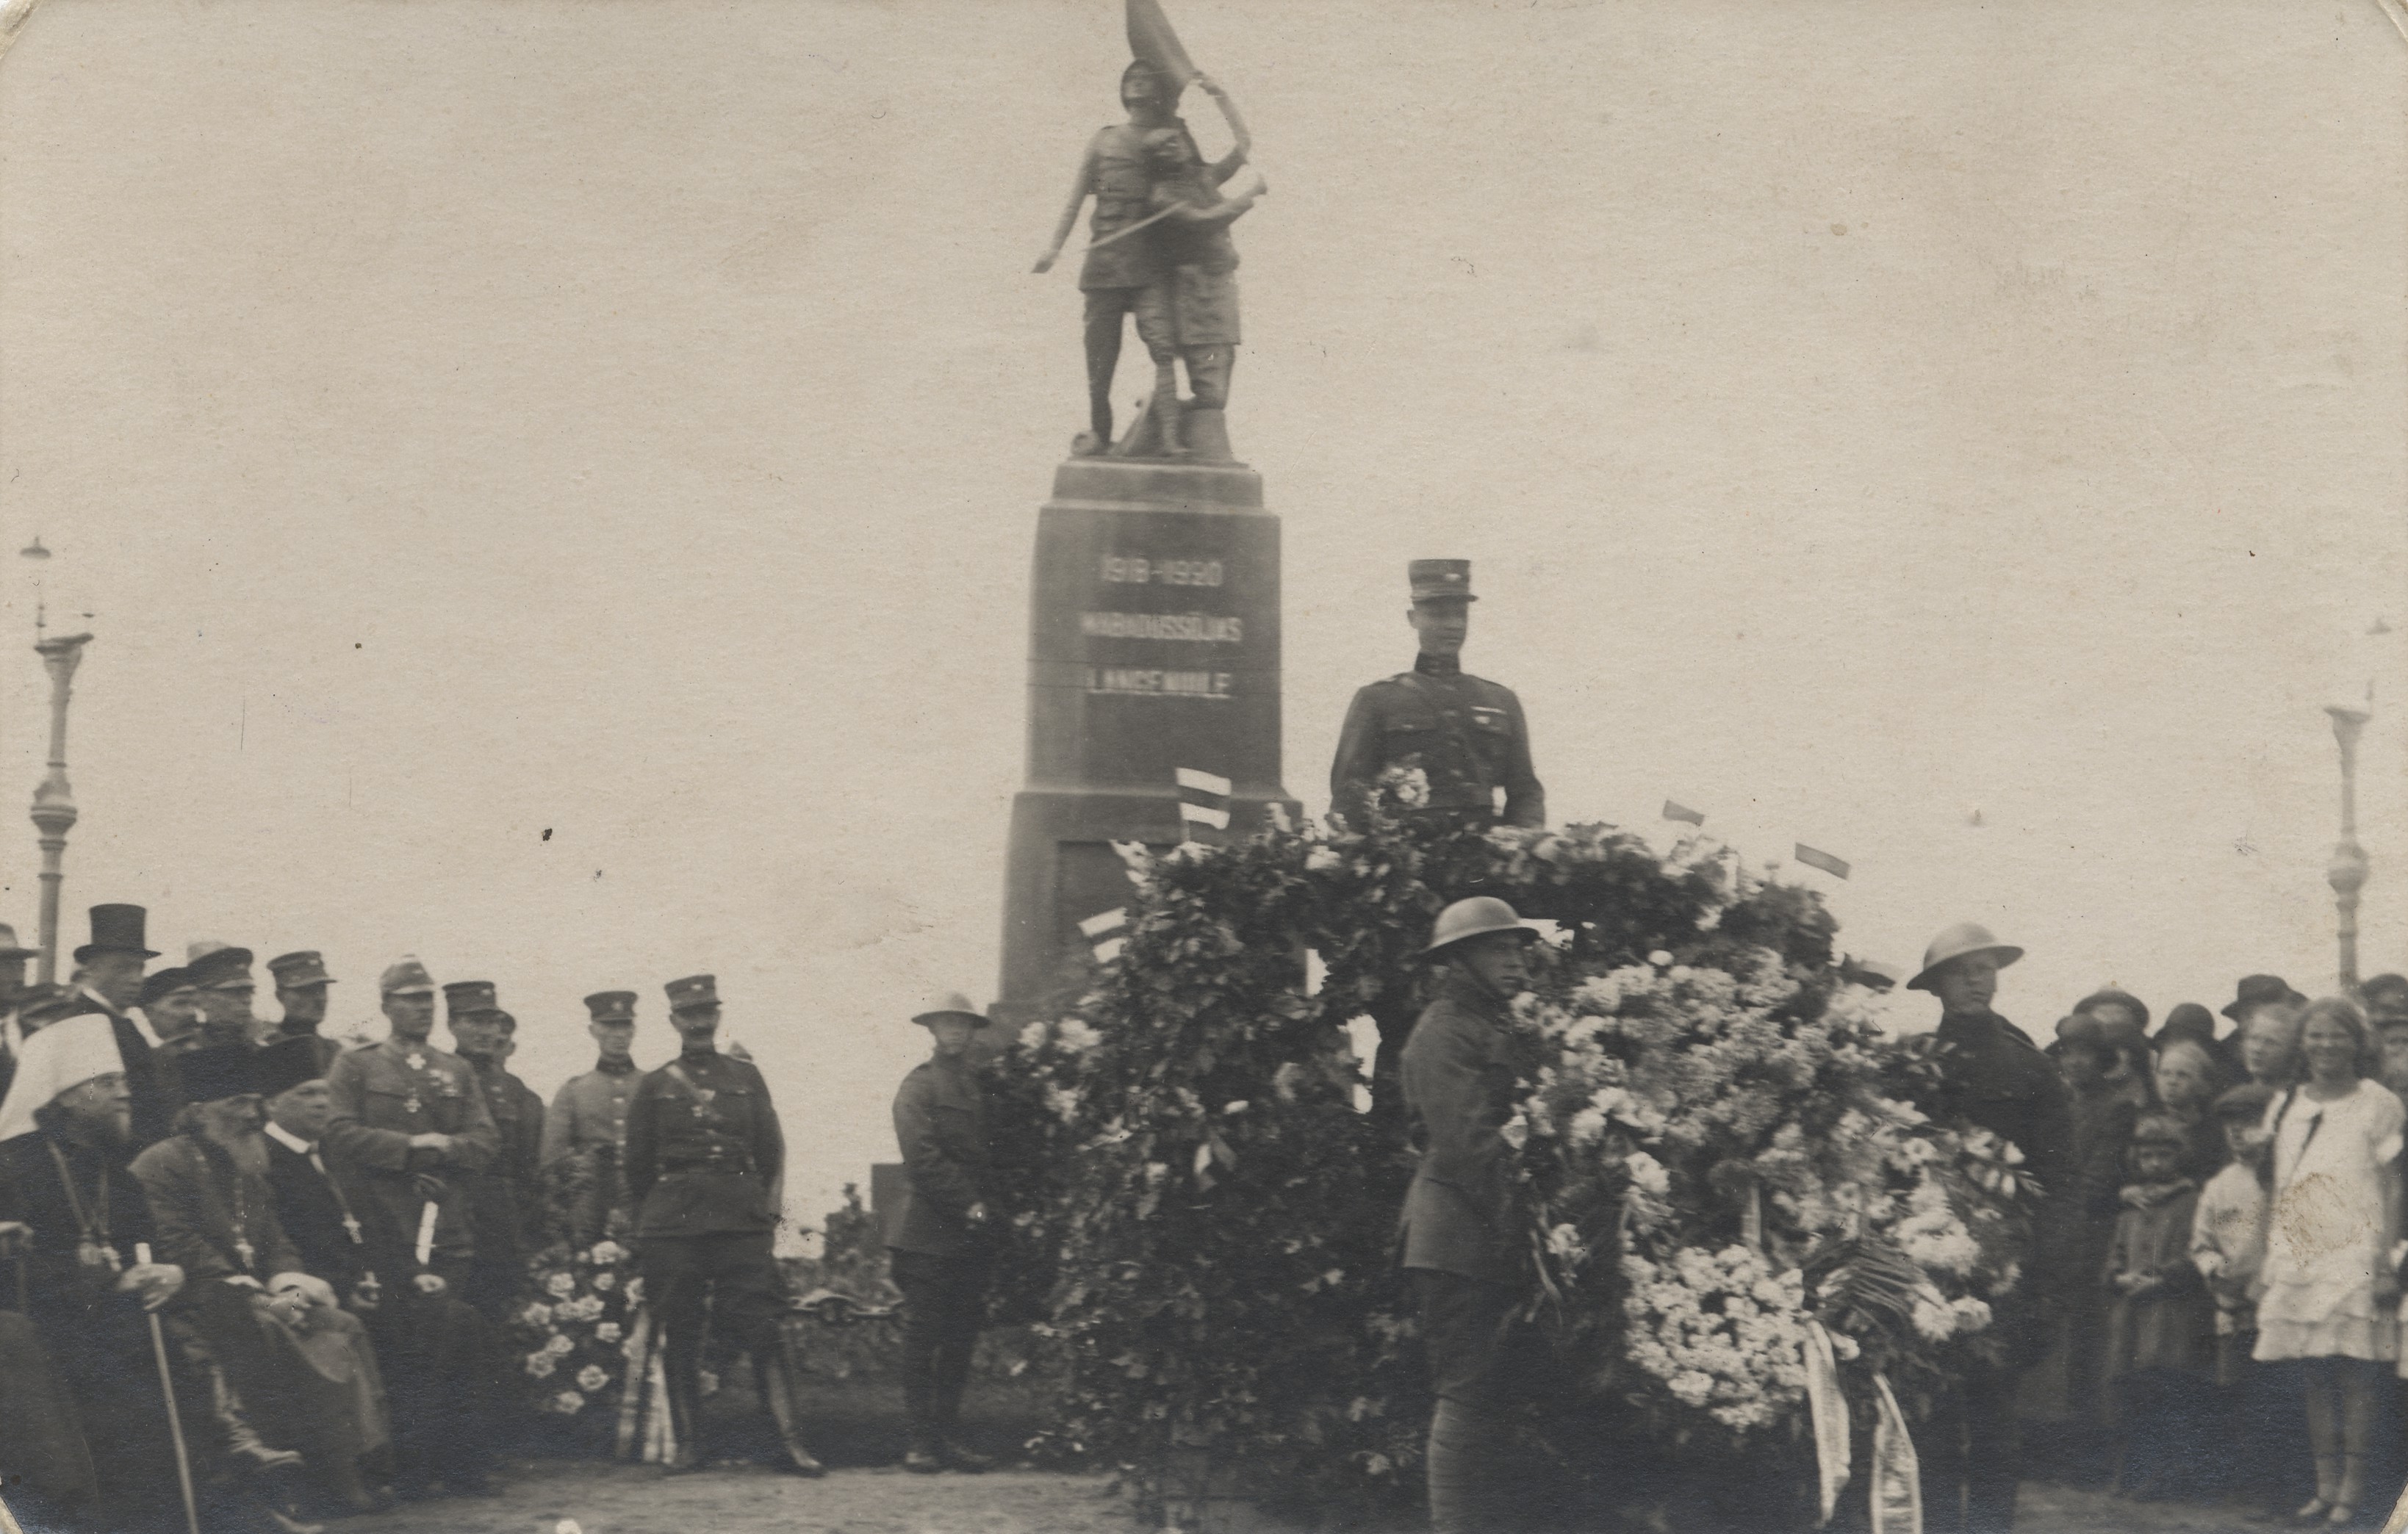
[2160,1323]
[2227,1245]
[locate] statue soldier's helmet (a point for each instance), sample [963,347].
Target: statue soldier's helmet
[951,1004]
[1476,918]
[1156,85]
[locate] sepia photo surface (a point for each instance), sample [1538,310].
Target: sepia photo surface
[552,486]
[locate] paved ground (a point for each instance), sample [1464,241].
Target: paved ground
[631,1499]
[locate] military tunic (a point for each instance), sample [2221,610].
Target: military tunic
[941,1260]
[1467,735]
[705,1157]
[588,1121]
[504,1202]
[387,1092]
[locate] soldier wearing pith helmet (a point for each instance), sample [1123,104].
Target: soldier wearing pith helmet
[1462,1240]
[1992,1077]
[945,1243]
[706,1164]
[1466,734]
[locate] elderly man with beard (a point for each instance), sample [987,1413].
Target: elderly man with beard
[1992,1077]
[435,1350]
[76,1218]
[301,1364]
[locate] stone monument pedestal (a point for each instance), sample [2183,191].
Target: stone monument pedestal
[1153,645]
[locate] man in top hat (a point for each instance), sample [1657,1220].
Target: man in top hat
[706,1167]
[588,1121]
[1461,1242]
[73,1213]
[501,1193]
[301,1364]
[943,1247]
[413,1121]
[431,1346]
[111,964]
[301,989]
[1992,1077]
[222,977]
[1465,734]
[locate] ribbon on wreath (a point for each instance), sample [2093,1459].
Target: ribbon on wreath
[1896,1490]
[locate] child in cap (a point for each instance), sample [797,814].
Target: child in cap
[2160,1323]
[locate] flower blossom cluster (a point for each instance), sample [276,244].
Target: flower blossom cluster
[1722,1330]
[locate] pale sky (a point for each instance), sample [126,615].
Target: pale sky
[628,419]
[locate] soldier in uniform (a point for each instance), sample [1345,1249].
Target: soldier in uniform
[1118,273]
[945,1243]
[221,975]
[1461,1235]
[1466,734]
[1992,1075]
[301,990]
[706,1165]
[501,1192]
[588,1121]
[412,1119]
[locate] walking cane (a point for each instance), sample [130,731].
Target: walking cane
[167,1390]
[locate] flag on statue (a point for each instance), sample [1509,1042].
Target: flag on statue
[1813,858]
[1152,41]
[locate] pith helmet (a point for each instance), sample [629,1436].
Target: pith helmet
[1957,941]
[1475,917]
[951,1004]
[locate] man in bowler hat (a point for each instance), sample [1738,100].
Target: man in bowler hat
[302,985]
[412,1119]
[1992,1077]
[112,965]
[706,1167]
[944,1242]
[1465,734]
[587,1125]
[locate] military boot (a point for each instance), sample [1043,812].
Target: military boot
[684,1394]
[953,1378]
[778,1394]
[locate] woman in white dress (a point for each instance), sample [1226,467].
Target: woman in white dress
[2330,1295]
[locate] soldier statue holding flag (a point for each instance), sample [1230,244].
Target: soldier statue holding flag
[1126,272]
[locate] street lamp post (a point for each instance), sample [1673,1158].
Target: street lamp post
[2346,872]
[54,808]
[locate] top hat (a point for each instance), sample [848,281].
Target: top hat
[612,1006]
[220,966]
[116,929]
[406,976]
[1957,943]
[2261,990]
[284,1065]
[2386,998]
[467,998]
[951,1004]
[694,991]
[1441,579]
[220,1071]
[10,948]
[161,983]
[295,970]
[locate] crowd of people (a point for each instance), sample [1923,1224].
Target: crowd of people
[265,1275]
[2213,1296]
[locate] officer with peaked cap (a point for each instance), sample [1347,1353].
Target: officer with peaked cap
[501,1193]
[945,1243]
[706,1167]
[112,965]
[222,978]
[301,989]
[412,1119]
[1461,1237]
[588,1121]
[1993,1077]
[1466,734]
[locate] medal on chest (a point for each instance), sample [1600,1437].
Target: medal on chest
[702,1096]
[243,1251]
[351,1226]
[99,1256]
